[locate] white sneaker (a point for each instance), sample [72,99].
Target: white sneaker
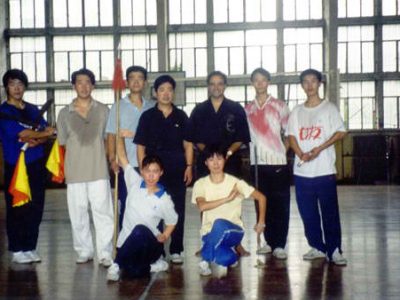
[221,271]
[177,258]
[314,254]
[34,256]
[338,259]
[21,258]
[204,268]
[264,249]
[82,259]
[279,253]
[113,272]
[106,262]
[159,266]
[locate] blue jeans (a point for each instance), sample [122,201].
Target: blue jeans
[219,243]
[314,195]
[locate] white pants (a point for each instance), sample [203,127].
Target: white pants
[98,194]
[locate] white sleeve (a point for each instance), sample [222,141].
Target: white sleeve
[132,178]
[170,216]
[336,121]
[291,128]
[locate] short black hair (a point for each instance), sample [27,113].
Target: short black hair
[261,71]
[314,72]
[217,73]
[163,79]
[83,71]
[152,159]
[15,74]
[136,69]
[214,149]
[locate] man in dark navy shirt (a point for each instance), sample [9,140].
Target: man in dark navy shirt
[23,221]
[221,121]
[163,131]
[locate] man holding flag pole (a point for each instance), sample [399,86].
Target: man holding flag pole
[24,171]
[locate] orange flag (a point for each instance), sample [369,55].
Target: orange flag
[55,162]
[19,186]
[118,83]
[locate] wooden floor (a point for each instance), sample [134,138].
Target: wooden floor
[371,243]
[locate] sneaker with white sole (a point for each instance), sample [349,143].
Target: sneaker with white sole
[220,271]
[159,266]
[314,254]
[279,253]
[106,262]
[264,249]
[177,258]
[82,259]
[34,256]
[204,268]
[338,259]
[21,257]
[113,272]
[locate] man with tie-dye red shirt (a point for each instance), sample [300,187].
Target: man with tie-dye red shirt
[268,118]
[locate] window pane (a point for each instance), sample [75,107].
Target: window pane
[106,13]
[236,57]
[235,11]
[91,13]
[74,13]
[187,12]
[60,14]
[220,11]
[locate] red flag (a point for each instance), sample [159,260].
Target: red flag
[118,83]
[19,186]
[55,162]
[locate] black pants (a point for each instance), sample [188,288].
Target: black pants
[23,221]
[274,183]
[176,188]
[139,250]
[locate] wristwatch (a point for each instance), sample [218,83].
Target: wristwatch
[229,153]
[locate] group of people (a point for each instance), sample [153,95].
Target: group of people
[153,151]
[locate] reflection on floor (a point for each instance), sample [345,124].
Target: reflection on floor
[371,242]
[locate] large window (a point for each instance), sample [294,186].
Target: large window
[303,49]
[29,54]
[391,48]
[187,11]
[26,14]
[357,104]
[140,49]
[356,49]
[188,52]
[391,104]
[355,8]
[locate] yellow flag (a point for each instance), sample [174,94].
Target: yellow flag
[19,186]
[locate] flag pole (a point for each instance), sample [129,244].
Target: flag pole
[118,85]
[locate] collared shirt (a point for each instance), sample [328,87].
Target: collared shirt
[164,136]
[85,157]
[266,124]
[224,127]
[144,208]
[129,119]
[9,130]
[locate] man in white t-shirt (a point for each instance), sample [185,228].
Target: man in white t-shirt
[219,197]
[313,128]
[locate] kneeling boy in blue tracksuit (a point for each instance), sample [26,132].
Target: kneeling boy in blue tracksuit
[219,196]
[140,244]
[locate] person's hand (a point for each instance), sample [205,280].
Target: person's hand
[126,133]
[161,238]
[259,228]
[305,157]
[188,175]
[315,152]
[114,166]
[233,194]
[33,142]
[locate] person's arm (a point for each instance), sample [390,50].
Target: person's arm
[233,148]
[297,150]
[28,134]
[162,237]
[111,152]
[188,175]
[262,205]
[122,158]
[204,205]
[140,153]
[338,135]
